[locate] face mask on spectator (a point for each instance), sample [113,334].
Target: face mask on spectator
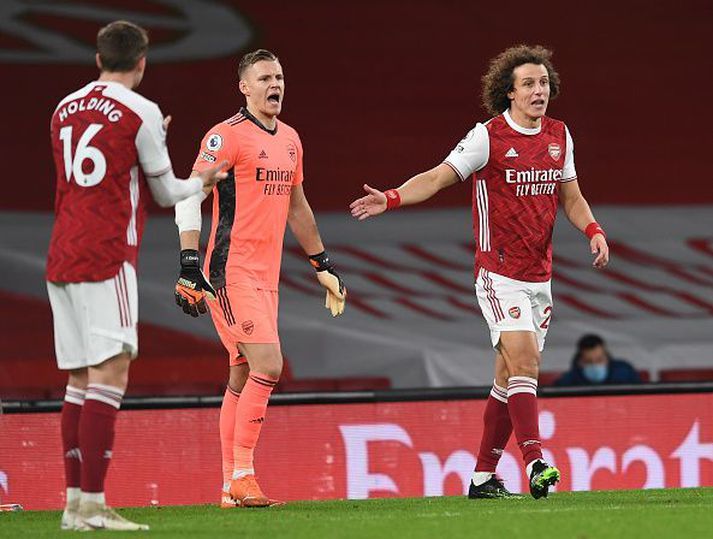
[595,372]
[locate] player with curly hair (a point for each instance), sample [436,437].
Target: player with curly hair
[522,164]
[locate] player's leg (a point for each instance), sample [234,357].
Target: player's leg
[497,429]
[105,391]
[110,312]
[70,353]
[265,361]
[251,320]
[512,310]
[70,416]
[238,376]
[224,322]
[521,353]
[495,296]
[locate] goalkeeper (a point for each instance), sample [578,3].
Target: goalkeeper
[263,192]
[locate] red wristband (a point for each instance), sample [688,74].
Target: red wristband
[593,229]
[393,199]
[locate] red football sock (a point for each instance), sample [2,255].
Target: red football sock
[249,417]
[497,429]
[522,405]
[96,434]
[227,431]
[71,412]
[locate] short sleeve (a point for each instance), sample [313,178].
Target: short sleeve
[151,142]
[217,145]
[471,153]
[299,172]
[569,173]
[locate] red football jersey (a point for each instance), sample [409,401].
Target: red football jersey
[103,135]
[516,172]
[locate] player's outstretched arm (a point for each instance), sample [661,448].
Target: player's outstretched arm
[304,227]
[167,190]
[580,215]
[417,189]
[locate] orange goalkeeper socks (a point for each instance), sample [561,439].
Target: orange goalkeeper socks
[249,417]
[227,431]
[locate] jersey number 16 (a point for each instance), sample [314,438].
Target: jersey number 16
[73,165]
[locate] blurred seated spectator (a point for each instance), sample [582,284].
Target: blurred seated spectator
[592,365]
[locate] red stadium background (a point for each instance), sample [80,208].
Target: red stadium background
[357,451]
[380,90]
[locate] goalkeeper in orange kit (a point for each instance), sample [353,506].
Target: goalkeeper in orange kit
[262,193]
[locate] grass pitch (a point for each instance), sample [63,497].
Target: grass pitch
[582,515]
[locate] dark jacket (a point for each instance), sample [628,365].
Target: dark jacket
[620,372]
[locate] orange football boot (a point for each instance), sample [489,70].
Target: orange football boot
[226,502]
[246,492]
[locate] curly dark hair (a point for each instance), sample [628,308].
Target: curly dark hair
[499,79]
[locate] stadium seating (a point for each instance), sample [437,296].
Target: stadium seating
[548,378]
[288,382]
[685,375]
[172,363]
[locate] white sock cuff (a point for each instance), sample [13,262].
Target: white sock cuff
[74,395]
[96,497]
[499,393]
[478,478]
[107,394]
[73,494]
[237,474]
[522,384]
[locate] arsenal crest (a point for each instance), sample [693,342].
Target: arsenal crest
[292,152]
[554,150]
[514,312]
[248,327]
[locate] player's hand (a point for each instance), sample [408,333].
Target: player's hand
[192,287]
[599,247]
[336,297]
[212,176]
[372,204]
[166,122]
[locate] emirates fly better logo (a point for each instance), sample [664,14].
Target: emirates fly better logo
[203,29]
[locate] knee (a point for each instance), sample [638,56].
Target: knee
[527,365]
[238,377]
[271,366]
[272,370]
[78,378]
[113,372]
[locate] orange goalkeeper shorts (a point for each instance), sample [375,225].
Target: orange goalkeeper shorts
[244,314]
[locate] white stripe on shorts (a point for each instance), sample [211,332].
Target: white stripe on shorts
[498,314]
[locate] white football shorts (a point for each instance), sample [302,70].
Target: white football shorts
[95,321]
[512,305]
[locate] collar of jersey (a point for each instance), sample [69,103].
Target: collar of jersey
[519,128]
[245,112]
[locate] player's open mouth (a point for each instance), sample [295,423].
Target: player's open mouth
[538,102]
[274,98]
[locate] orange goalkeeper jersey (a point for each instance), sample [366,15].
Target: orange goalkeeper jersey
[250,206]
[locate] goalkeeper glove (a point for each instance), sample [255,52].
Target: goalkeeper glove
[329,279]
[192,286]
